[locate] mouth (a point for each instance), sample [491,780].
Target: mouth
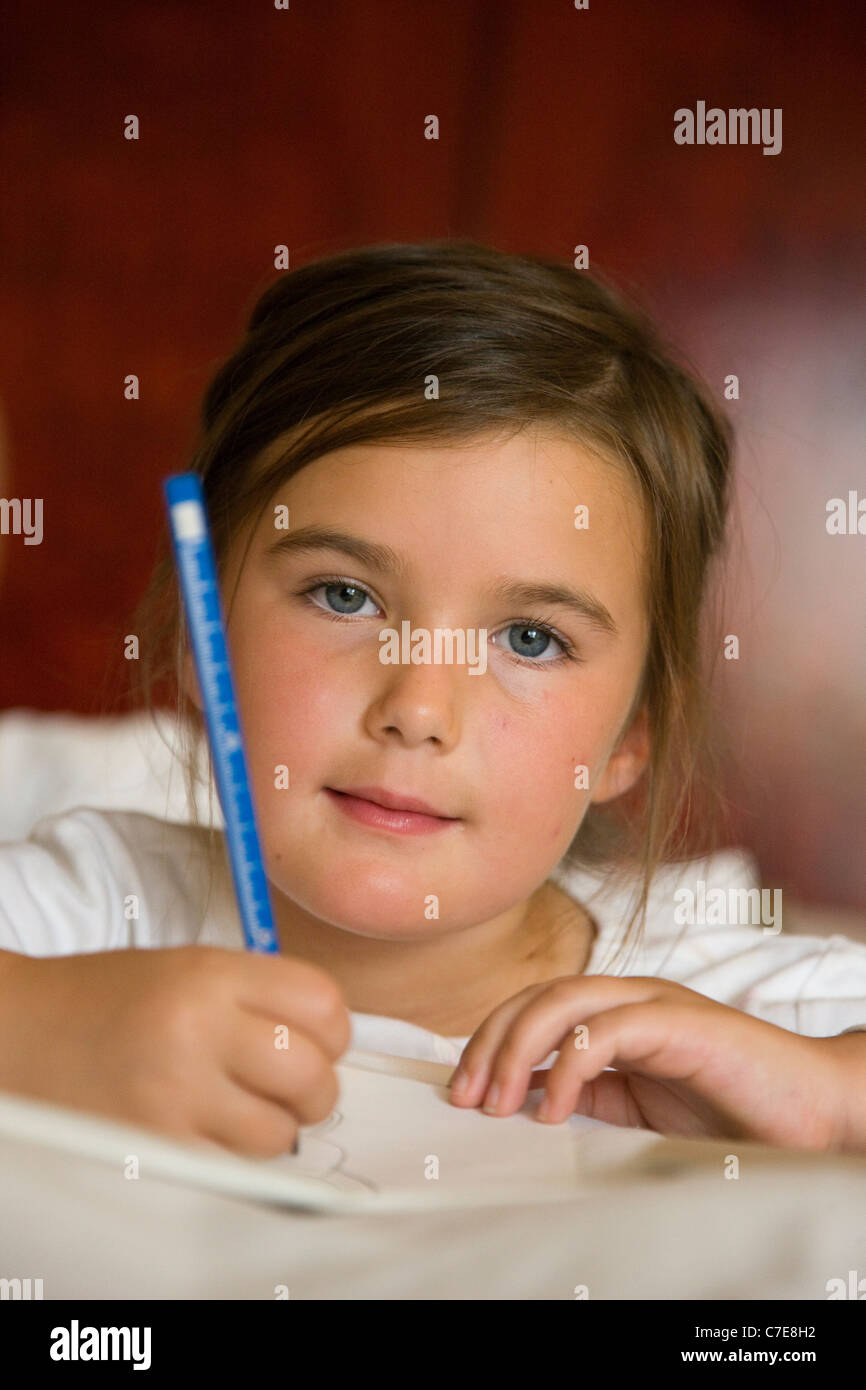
[380,809]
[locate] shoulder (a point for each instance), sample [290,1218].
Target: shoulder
[712,926]
[122,838]
[128,762]
[611,898]
[91,879]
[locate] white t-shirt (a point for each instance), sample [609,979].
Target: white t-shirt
[125,762]
[91,880]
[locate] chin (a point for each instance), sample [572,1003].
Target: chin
[365,914]
[375,903]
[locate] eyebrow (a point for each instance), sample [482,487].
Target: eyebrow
[387,561]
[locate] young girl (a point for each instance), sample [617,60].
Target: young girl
[466,508]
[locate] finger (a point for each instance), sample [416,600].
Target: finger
[483,1044]
[299,1078]
[503,1054]
[609,1098]
[538,1079]
[299,995]
[249,1124]
[636,1035]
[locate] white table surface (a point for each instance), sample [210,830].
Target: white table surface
[671,1228]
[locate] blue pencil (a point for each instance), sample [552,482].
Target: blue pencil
[196,567]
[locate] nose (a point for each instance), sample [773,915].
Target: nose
[420,704]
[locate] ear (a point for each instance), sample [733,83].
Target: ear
[627,761]
[190,681]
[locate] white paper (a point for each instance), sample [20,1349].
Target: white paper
[393,1142]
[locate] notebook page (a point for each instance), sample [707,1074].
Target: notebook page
[392,1143]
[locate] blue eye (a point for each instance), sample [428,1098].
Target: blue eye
[344,598]
[347,599]
[530,641]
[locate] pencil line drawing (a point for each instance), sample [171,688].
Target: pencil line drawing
[311,1139]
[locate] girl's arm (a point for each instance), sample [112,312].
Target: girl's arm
[849,1049]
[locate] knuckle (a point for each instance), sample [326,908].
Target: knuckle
[341,1033]
[181,1026]
[329,999]
[331,1013]
[311,1086]
[561,991]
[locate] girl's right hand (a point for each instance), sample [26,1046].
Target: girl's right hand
[207,1045]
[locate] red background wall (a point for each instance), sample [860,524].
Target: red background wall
[305,126]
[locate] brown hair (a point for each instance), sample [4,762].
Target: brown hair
[337,353]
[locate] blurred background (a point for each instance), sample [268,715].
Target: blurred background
[305,126]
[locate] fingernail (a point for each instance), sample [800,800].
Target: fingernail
[459,1082]
[544,1109]
[491,1100]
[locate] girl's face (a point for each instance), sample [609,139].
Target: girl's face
[498,750]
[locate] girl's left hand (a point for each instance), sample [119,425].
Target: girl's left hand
[685,1064]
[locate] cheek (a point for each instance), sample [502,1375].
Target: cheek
[531,766]
[291,709]
[528,766]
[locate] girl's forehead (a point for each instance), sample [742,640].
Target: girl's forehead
[529,494]
[541,472]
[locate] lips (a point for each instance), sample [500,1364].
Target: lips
[393,801]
